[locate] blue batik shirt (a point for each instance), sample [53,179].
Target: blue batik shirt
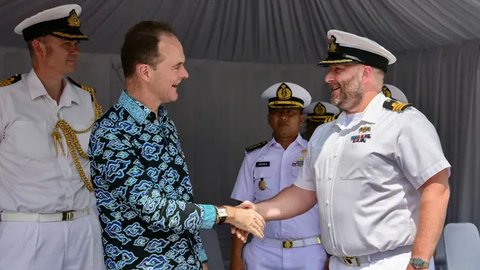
[143,191]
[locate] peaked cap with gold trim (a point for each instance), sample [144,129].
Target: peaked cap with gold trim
[393,92]
[61,21]
[286,95]
[345,48]
[321,112]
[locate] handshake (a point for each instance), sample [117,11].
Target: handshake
[245,219]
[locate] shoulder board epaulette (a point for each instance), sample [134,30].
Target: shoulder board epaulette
[255,146]
[6,82]
[396,106]
[331,118]
[98,108]
[84,87]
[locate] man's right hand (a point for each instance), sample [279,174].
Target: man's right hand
[246,219]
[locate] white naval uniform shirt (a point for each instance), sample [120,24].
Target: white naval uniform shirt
[366,177]
[278,167]
[34,179]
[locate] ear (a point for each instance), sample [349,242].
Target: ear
[143,71]
[302,118]
[367,73]
[39,48]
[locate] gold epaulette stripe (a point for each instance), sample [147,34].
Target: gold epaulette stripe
[9,81]
[255,146]
[395,105]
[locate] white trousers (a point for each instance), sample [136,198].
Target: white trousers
[258,256]
[397,262]
[64,245]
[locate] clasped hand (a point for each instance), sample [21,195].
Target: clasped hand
[256,222]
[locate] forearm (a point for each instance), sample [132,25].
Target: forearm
[433,208]
[236,262]
[289,203]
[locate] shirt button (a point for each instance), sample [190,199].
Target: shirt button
[327,202]
[329,225]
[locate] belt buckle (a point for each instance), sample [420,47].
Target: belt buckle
[67,216]
[351,261]
[287,244]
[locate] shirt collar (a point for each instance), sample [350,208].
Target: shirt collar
[36,88]
[371,113]
[135,108]
[299,140]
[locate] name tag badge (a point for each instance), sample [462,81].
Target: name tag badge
[298,163]
[262,164]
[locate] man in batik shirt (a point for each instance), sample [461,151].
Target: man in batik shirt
[143,189]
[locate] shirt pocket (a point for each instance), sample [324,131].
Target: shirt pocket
[356,163]
[263,184]
[30,139]
[296,168]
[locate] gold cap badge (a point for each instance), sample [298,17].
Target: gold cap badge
[332,45]
[284,92]
[73,20]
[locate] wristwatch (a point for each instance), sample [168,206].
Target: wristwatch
[222,214]
[418,263]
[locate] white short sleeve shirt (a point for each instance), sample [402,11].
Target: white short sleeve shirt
[264,173]
[366,175]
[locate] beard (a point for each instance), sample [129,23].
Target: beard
[351,94]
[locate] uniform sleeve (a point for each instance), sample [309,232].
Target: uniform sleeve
[419,151]
[118,174]
[306,177]
[2,119]
[243,189]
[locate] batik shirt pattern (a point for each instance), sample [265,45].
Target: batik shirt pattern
[143,191]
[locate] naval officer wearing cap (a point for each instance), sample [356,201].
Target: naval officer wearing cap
[393,92]
[269,167]
[316,114]
[378,172]
[47,217]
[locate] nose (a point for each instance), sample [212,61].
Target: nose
[185,73]
[329,77]
[74,50]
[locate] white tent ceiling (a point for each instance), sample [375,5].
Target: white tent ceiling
[273,31]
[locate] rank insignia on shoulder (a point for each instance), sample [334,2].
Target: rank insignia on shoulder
[98,108]
[396,106]
[84,87]
[255,146]
[9,81]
